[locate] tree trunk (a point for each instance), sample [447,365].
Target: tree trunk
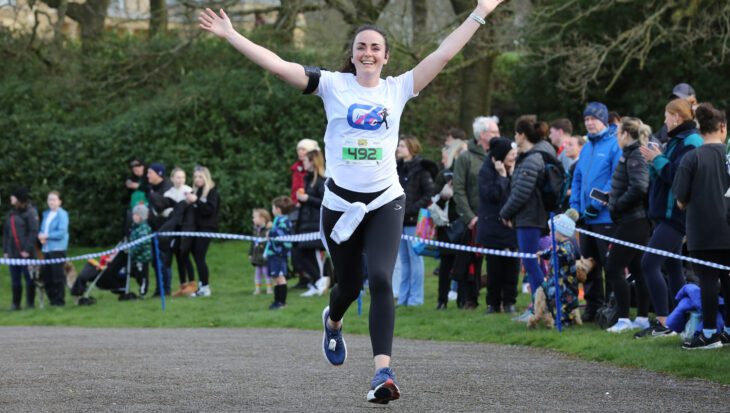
[419,10]
[158,17]
[476,79]
[90,16]
[286,21]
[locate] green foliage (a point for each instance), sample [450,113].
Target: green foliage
[73,125]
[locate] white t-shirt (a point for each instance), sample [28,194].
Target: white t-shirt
[362,129]
[49,218]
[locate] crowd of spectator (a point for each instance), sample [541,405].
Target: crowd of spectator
[668,190]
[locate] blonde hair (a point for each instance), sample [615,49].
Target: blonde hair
[453,150]
[637,130]
[308,144]
[207,179]
[266,215]
[176,170]
[315,157]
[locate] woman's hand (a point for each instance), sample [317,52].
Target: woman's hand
[190,198]
[447,192]
[501,169]
[302,196]
[24,254]
[219,25]
[43,238]
[649,153]
[487,6]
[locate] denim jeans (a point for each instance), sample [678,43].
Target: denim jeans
[411,265]
[528,239]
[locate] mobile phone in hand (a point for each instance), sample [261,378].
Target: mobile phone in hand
[599,195]
[655,146]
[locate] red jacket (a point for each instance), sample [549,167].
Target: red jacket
[297,179]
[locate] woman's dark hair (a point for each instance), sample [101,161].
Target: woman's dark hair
[348,66]
[709,118]
[534,131]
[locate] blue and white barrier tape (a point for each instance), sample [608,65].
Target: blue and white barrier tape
[653,250]
[315,235]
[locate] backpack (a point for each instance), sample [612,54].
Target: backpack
[553,184]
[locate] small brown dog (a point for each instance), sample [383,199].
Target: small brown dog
[71,274]
[583,266]
[542,313]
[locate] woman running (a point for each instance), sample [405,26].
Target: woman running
[364,203]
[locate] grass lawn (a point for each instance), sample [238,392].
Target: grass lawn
[233,305]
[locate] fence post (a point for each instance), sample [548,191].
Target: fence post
[158,267]
[556,275]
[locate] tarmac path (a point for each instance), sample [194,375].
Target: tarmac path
[60,369]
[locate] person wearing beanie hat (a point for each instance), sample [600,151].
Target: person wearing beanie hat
[500,147]
[20,233]
[157,168]
[160,207]
[494,183]
[597,110]
[595,166]
[140,254]
[567,277]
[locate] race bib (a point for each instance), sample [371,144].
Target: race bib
[361,151]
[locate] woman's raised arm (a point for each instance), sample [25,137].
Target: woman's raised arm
[432,65]
[220,25]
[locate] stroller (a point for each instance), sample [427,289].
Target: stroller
[111,272]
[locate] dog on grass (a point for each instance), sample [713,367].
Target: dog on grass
[543,313]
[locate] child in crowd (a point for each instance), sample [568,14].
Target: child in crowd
[567,279]
[261,225]
[141,253]
[276,252]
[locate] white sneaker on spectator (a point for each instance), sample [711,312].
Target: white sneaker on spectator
[622,325]
[322,284]
[312,291]
[203,291]
[641,323]
[452,295]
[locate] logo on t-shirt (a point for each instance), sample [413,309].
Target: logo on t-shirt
[365,117]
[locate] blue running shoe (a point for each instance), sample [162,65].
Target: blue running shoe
[333,346]
[383,387]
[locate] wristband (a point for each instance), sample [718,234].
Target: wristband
[477,18]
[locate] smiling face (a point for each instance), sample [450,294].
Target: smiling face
[369,53]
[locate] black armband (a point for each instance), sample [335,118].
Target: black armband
[313,73]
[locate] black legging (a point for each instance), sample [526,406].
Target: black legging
[595,248]
[54,279]
[709,286]
[200,250]
[181,248]
[379,236]
[502,274]
[621,257]
[446,264]
[306,260]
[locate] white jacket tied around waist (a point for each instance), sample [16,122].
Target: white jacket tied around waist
[354,212]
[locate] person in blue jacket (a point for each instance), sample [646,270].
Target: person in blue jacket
[669,220]
[594,169]
[53,235]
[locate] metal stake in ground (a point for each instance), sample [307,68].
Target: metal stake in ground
[556,275]
[158,266]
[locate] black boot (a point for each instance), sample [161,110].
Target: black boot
[30,296]
[17,293]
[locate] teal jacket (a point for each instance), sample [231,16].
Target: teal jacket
[662,204]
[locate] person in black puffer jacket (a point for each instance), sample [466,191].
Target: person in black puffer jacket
[627,205]
[19,236]
[305,254]
[524,208]
[416,177]
[444,197]
[502,272]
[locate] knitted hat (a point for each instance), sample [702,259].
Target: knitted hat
[564,225]
[308,144]
[142,211]
[598,110]
[158,168]
[21,194]
[499,148]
